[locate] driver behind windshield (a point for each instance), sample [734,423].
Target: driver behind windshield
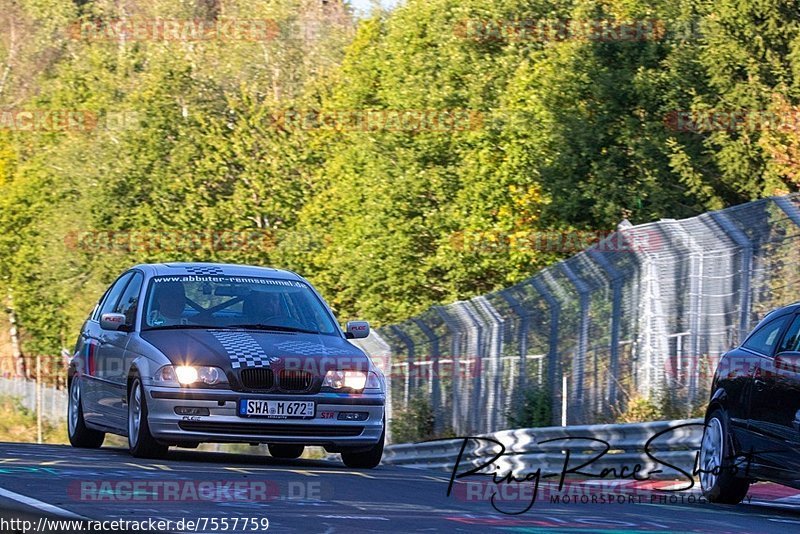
[169,303]
[261,307]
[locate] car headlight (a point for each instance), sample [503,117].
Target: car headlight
[185,375]
[355,380]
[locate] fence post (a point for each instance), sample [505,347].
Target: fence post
[409,359]
[746,247]
[496,409]
[436,394]
[455,354]
[616,312]
[583,335]
[38,398]
[552,349]
[524,320]
[467,317]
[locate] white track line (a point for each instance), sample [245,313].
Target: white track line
[39,505]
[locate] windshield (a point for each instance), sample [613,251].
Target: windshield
[235,302]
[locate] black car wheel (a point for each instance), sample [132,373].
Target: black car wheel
[366,459]
[141,442]
[284,451]
[79,434]
[718,472]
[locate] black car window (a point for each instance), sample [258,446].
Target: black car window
[129,302]
[113,294]
[766,338]
[791,341]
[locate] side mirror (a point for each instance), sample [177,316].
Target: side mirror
[357,330]
[788,361]
[112,321]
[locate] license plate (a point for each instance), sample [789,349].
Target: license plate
[276,409]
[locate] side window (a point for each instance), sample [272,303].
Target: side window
[765,338]
[129,302]
[791,341]
[110,302]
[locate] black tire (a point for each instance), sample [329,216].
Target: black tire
[368,459]
[285,451]
[141,442]
[79,434]
[723,485]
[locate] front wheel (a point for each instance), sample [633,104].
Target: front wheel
[141,442]
[79,434]
[718,478]
[367,459]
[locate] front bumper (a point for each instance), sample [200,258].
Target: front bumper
[223,425]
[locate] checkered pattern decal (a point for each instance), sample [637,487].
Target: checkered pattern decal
[309,349]
[205,271]
[243,350]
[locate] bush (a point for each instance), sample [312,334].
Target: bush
[413,423]
[534,410]
[18,424]
[640,410]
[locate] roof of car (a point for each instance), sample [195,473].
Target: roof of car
[216,269]
[783,310]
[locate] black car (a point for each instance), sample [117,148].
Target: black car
[752,425]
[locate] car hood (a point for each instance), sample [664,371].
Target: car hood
[241,349]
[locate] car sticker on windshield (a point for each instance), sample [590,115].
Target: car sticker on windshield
[233,279]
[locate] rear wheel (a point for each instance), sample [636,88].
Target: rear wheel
[718,478]
[367,459]
[79,434]
[141,442]
[285,451]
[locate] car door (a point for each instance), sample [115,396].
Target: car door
[761,345]
[111,365]
[96,348]
[775,402]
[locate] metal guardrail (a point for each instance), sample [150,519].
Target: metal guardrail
[529,449]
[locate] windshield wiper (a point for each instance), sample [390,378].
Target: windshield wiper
[273,328]
[181,327]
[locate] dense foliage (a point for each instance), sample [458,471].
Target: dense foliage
[565,131]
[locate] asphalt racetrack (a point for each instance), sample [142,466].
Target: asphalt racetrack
[323,496]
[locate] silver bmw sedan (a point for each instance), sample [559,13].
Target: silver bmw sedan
[181,354]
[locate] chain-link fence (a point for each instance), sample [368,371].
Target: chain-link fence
[644,313]
[53,401]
